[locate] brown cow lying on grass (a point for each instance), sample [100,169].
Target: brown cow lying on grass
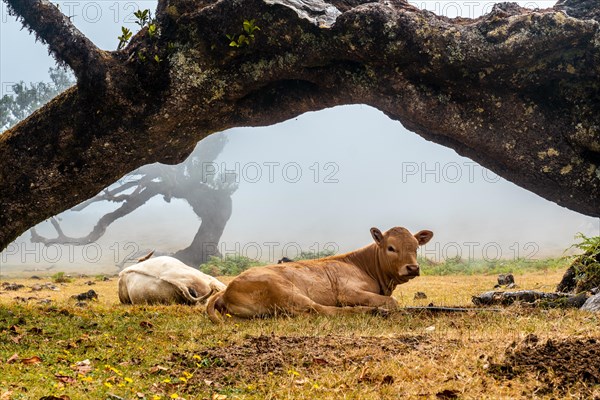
[356,282]
[165,280]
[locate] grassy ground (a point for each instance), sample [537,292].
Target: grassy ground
[106,350]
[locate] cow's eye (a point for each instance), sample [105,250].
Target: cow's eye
[390,248]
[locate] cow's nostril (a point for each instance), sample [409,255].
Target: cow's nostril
[412,268]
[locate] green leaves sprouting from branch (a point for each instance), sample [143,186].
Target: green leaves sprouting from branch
[152,30]
[143,19]
[124,38]
[246,37]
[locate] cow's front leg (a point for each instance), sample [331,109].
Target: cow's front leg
[368,299]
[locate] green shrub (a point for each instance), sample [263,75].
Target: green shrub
[60,277]
[590,246]
[228,265]
[586,267]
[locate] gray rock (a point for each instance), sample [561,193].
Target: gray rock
[50,286]
[506,279]
[12,286]
[89,295]
[592,304]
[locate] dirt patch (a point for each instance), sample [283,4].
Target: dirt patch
[267,355]
[558,364]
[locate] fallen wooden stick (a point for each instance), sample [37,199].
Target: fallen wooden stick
[437,309]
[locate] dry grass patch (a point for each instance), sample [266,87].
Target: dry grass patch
[167,351]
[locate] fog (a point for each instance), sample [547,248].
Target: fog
[318,181]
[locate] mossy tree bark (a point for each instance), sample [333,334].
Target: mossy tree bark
[516,90]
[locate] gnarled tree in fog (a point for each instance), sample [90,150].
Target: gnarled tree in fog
[194,181]
[516,90]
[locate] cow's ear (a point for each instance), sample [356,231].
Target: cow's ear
[377,235]
[423,237]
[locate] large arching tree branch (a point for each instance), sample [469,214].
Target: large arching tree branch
[516,90]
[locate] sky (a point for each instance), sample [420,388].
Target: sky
[318,181]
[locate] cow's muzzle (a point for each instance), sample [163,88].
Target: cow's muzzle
[413,270]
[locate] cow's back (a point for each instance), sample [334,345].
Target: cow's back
[321,280]
[144,289]
[165,280]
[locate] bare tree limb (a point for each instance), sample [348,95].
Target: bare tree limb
[108,195]
[105,221]
[148,174]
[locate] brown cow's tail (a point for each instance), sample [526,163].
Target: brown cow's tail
[210,307]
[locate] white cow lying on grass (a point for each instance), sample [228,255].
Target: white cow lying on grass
[165,280]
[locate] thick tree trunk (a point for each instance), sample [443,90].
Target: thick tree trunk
[516,90]
[214,209]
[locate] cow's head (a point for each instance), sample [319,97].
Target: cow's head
[398,250]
